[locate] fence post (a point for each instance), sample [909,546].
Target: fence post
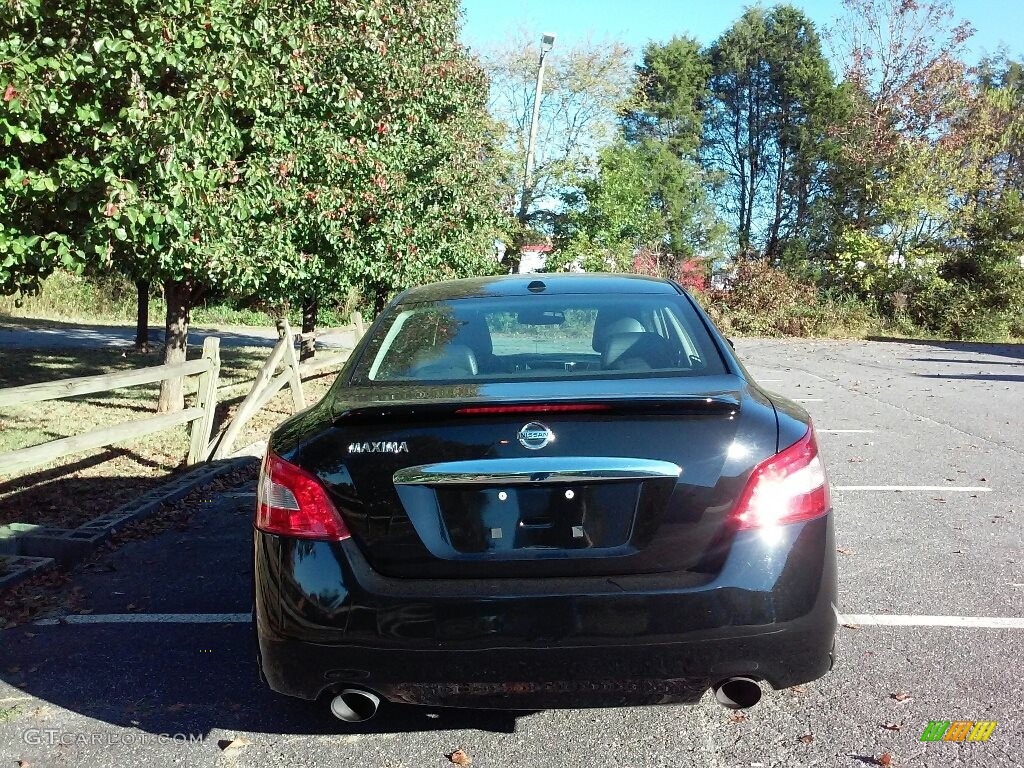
[206,398]
[248,406]
[284,332]
[357,319]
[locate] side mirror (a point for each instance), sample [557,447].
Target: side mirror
[731,344]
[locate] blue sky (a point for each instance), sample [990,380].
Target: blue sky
[997,22]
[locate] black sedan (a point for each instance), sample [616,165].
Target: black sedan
[543,491]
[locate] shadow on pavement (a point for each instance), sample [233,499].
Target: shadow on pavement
[973,376]
[978,347]
[192,679]
[189,678]
[966,361]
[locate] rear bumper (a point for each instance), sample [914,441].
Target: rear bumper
[325,619]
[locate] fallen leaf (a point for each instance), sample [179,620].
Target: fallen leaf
[885,759]
[901,696]
[892,726]
[799,690]
[807,738]
[459,757]
[737,717]
[233,745]
[852,626]
[845,551]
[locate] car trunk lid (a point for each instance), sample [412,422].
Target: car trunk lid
[526,480]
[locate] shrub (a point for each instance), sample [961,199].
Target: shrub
[959,310]
[688,272]
[759,299]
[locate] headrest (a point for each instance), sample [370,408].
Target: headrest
[608,324]
[473,332]
[445,361]
[637,351]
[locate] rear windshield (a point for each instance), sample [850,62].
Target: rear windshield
[539,337]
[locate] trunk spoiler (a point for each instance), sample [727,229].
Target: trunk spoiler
[720,404]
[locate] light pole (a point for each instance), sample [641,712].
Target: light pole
[547,42]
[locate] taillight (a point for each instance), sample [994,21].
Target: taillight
[788,487]
[292,502]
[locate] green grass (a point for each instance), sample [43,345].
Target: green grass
[9,713]
[73,298]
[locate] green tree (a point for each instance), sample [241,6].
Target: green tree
[773,101]
[642,198]
[670,96]
[287,150]
[663,125]
[609,214]
[374,159]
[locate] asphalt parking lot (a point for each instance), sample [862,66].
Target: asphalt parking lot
[924,443]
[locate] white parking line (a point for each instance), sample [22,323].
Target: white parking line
[887,620]
[149,618]
[845,431]
[948,488]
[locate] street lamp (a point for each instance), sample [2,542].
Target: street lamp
[547,42]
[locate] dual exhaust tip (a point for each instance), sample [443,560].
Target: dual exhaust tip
[354,705]
[737,692]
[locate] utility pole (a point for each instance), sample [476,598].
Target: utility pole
[547,41]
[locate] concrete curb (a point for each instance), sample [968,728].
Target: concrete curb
[37,547]
[14,568]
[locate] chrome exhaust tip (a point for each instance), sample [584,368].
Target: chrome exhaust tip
[737,692]
[353,705]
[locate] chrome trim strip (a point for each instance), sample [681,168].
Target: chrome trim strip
[534,470]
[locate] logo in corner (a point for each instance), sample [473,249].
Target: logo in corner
[535,436]
[958,730]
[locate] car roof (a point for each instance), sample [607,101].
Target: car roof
[547,284]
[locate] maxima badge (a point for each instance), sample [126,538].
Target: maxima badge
[535,436]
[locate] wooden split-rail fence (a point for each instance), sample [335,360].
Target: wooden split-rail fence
[203,444]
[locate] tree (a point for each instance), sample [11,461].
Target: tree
[48,179]
[647,193]
[584,87]
[670,96]
[249,149]
[907,60]
[134,121]
[772,102]
[642,198]
[609,214]
[902,152]
[372,155]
